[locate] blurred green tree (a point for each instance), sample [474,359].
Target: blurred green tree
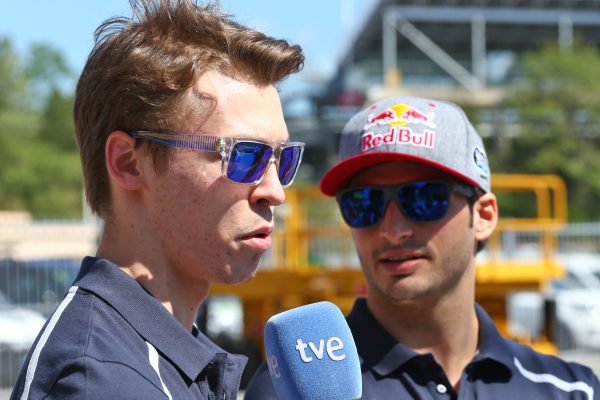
[39,164]
[12,77]
[556,130]
[56,121]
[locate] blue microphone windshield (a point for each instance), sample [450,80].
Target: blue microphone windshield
[311,354]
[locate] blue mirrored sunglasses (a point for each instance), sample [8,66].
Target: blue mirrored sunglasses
[243,160]
[426,201]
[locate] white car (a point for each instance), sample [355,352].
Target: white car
[20,327]
[577,302]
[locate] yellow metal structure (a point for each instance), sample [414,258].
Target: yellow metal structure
[313,258]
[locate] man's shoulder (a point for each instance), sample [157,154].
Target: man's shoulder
[78,318]
[91,327]
[68,328]
[537,366]
[80,336]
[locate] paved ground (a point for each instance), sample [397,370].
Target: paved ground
[586,357]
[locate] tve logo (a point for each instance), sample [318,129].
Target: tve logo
[333,344]
[273,366]
[311,354]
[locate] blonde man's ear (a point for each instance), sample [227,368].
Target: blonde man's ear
[122,161]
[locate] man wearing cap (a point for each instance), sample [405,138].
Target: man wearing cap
[413,184]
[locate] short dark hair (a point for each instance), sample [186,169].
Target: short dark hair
[141,69]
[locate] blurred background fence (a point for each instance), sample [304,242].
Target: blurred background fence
[39,260]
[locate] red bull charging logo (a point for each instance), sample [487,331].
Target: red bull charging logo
[399,115]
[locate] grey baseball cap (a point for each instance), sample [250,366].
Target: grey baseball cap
[410,129]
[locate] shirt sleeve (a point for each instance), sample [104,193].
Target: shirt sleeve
[260,386]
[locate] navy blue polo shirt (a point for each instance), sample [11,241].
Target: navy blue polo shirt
[111,339]
[502,369]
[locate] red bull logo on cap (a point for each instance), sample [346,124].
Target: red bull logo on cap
[399,115]
[404,136]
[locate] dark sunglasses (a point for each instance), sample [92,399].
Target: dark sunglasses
[419,201]
[243,160]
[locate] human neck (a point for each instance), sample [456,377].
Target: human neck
[447,328]
[130,247]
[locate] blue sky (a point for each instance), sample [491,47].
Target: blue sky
[322,27]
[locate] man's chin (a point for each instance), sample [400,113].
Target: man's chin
[238,278]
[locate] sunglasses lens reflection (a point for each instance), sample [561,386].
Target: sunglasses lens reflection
[248,162]
[288,164]
[419,202]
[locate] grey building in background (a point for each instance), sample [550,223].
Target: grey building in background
[465,51]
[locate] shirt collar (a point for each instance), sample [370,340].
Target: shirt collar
[377,349]
[149,318]
[388,354]
[491,344]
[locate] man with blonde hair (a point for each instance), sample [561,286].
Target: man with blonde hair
[185,154]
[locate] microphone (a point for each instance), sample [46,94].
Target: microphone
[311,354]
